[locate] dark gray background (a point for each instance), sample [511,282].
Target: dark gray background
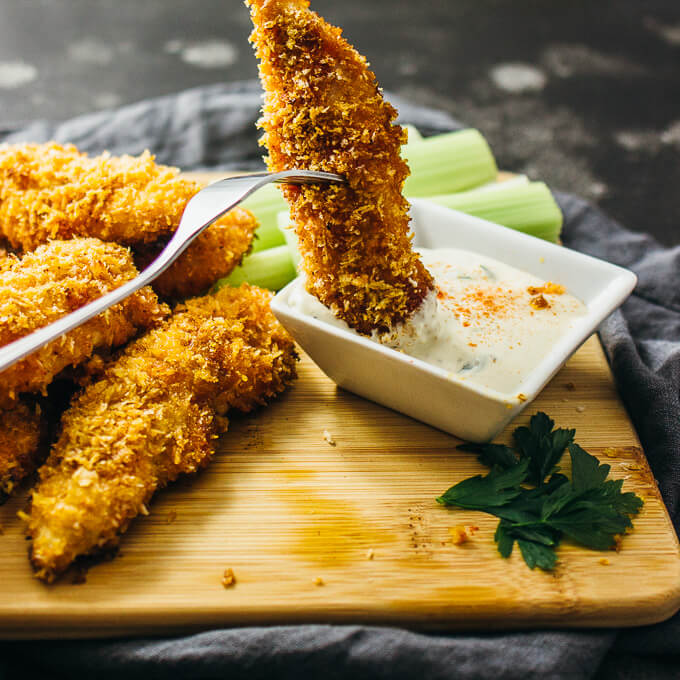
[580,93]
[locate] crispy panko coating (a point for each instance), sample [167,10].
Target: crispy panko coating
[49,191]
[211,256]
[323,111]
[154,415]
[54,280]
[21,431]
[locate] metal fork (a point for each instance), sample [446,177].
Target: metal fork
[200,212]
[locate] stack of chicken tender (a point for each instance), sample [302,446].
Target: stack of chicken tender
[154,383]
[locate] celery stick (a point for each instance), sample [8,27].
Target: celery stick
[286,226]
[446,163]
[530,208]
[515,180]
[267,235]
[271,269]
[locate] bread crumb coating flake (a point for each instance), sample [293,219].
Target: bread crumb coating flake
[54,280]
[154,415]
[323,111]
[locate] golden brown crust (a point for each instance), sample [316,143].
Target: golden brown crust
[21,431]
[324,111]
[153,416]
[49,191]
[213,255]
[54,280]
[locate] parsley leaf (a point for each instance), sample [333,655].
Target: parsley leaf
[537,555]
[586,470]
[590,509]
[492,454]
[479,493]
[542,446]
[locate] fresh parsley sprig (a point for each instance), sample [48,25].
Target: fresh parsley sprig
[537,505]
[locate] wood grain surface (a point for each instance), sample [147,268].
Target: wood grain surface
[351,532]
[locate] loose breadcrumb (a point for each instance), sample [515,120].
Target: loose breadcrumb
[172,516]
[318,581]
[549,288]
[54,280]
[370,554]
[328,438]
[459,534]
[462,534]
[539,302]
[324,111]
[604,561]
[228,578]
[153,416]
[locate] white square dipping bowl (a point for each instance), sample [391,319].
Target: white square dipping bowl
[428,393]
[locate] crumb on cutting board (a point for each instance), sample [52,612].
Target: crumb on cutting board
[461,534]
[228,578]
[328,437]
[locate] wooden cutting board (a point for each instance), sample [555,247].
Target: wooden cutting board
[351,532]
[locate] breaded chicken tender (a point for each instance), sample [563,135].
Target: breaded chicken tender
[323,111]
[52,191]
[154,415]
[54,280]
[213,255]
[21,432]
[49,191]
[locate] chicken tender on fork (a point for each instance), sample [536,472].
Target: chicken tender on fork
[323,111]
[54,280]
[154,415]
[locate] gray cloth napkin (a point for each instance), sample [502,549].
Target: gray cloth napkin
[214,128]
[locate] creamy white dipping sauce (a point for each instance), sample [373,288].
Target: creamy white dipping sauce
[486,323]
